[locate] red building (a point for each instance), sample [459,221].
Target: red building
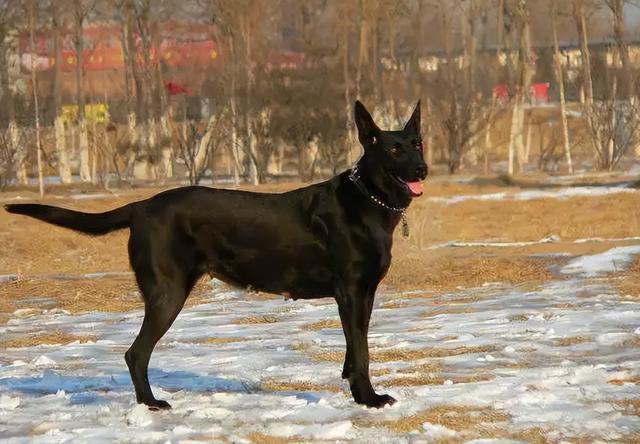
[103,48]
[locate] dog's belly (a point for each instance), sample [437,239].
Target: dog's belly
[300,273]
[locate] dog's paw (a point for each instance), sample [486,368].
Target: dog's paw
[157,405]
[380,401]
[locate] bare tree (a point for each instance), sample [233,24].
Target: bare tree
[57,25]
[617,10]
[460,107]
[196,147]
[80,11]
[579,16]
[560,80]
[518,12]
[32,10]
[10,21]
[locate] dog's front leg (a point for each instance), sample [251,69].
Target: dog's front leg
[355,312]
[346,368]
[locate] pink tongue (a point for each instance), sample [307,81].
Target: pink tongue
[415,187]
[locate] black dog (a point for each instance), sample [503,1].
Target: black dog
[331,239]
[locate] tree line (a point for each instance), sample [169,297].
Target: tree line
[278,99]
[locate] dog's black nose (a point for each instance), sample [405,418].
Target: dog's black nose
[422,172]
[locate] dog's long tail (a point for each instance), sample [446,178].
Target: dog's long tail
[90,223]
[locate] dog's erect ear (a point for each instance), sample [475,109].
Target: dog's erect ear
[368,131]
[414,121]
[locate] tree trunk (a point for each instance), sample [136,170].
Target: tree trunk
[20,152]
[34,85]
[204,147]
[617,8]
[429,136]
[350,142]
[471,45]
[596,135]
[362,45]
[487,147]
[525,74]
[250,142]
[83,145]
[13,132]
[64,167]
[560,80]
[234,135]
[166,159]
[134,113]
[581,26]
[7,95]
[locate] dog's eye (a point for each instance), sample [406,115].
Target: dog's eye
[418,145]
[393,150]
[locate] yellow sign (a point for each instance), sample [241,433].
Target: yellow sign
[93,112]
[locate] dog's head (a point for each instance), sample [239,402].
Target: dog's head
[393,157]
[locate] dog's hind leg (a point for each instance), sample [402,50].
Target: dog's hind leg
[165,286]
[157,320]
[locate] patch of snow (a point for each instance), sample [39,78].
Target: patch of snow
[139,416]
[83,391]
[8,277]
[43,361]
[89,196]
[9,402]
[436,432]
[561,193]
[615,259]
[546,240]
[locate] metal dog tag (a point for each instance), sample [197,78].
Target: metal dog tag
[405,226]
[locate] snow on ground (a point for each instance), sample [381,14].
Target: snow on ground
[560,193]
[539,376]
[546,240]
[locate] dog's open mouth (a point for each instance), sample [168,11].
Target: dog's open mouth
[414,187]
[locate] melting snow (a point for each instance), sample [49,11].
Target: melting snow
[561,193]
[615,259]
[82,392]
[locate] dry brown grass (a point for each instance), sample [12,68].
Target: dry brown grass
[434,379]
[631,379]
[412,355]
[632,342]
[403,355]
[393,304]
[531,220]
[56,337]
[274,385]
[323,324]
[451,270]
[518,317]
[425,367]
[219,340]
[628,282]
[631,438]
[454,417]
[629,406]
[109,294]
[258,319]
[572,340]
[38,248]
[76,296]
[533,435]
[379,372]
[261,438]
